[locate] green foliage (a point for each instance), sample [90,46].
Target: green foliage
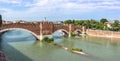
[92,24]
[53,43]
[103,20]
[116,23]
[45,38]
[72,34]
[76,49]
[95,25]
[115,26]
[99,26]
[69,22]
[49,40]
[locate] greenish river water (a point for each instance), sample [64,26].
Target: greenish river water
[22,46]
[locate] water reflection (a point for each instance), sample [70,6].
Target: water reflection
[61,39]
[58,36]
[11,53]
[17,36]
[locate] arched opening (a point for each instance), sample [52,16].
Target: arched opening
[60,33]
[77,32]
[17,34]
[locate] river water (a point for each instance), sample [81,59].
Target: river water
[22,46]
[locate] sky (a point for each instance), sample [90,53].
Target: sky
[59,10]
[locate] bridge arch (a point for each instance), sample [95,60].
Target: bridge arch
[65,32]
[77,32]
[8,29]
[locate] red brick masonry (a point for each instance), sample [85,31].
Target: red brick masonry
[47,27]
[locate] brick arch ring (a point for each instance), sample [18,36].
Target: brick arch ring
[62,30]
[8,29]
[77,30]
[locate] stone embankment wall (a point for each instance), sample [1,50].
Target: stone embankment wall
[101,33]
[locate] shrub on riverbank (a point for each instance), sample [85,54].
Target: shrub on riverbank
[76,49]
[73,34]
[49,40]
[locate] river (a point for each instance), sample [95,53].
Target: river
[22,46]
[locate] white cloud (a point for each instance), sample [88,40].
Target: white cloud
[51,7]
[67,4]
[12,1]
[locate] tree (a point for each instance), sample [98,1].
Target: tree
[103,20]
[93,24]
[99,26]
[0,20]
[116,26]
[79,22]
[86,23]
[116,22]
[68,21]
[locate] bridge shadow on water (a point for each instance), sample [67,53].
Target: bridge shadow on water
[11,53]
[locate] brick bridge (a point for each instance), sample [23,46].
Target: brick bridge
[43,28]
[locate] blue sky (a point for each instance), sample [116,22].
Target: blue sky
[59,10]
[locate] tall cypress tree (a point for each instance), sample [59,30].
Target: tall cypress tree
[0,20]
